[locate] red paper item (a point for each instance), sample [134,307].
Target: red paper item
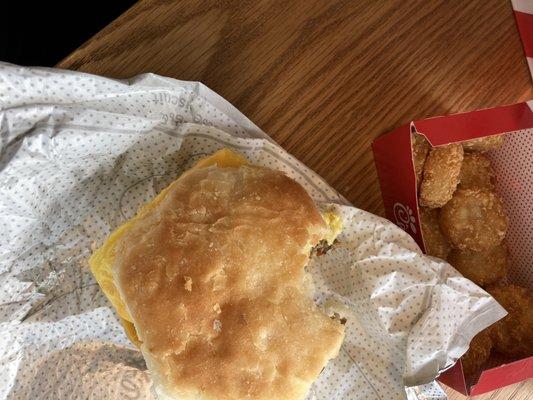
[514,168]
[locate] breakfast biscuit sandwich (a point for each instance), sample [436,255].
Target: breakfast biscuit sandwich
[209,282]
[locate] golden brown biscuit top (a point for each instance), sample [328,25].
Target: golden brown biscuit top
[214,280]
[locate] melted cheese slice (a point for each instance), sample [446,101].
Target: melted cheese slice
[102,260]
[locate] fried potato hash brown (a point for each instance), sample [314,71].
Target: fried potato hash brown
[476,172]
[484,144]
[513,335]
[478,353]
[485,267]
[441,175]
[474,219]
[420,151]
[435,243]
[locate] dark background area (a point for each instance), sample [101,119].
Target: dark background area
[44,32]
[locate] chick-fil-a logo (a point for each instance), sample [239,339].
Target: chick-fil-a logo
[404,217]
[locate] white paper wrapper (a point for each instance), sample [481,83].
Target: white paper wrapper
[79,155]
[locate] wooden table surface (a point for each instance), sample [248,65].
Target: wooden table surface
[324,78]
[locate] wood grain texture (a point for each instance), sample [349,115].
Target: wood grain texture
[324,78]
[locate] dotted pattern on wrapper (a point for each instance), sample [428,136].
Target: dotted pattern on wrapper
[513,163]
[80,154]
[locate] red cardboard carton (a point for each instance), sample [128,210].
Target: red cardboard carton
[513,163]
